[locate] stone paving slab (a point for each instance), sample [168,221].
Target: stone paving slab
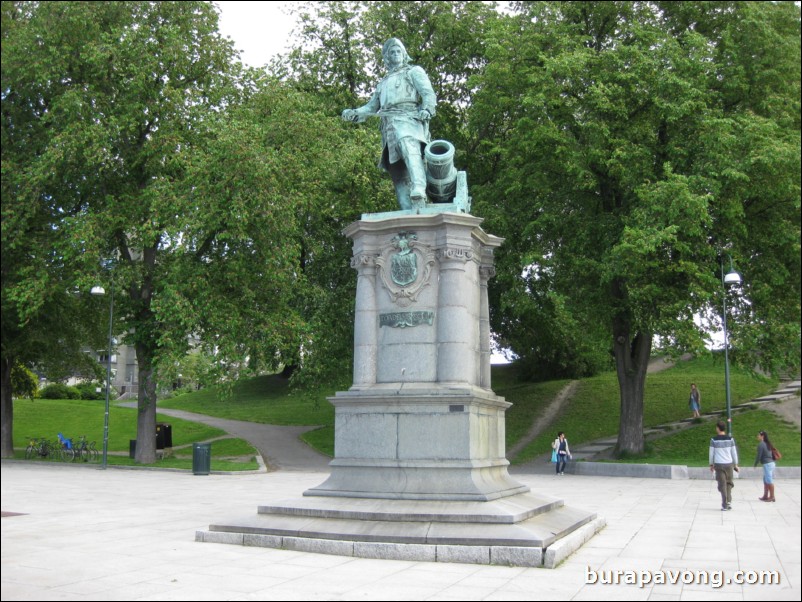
[130,536]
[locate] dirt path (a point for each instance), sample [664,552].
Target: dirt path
[545,419]
[788,409]
[658,364]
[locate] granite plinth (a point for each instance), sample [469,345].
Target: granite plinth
[517,530]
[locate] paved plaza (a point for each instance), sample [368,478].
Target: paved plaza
[87,534]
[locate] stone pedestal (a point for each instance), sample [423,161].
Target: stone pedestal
[421,444]
[420,421]
[419,471]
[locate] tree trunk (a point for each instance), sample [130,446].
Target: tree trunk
[146,409]
[6,411]
[631,361]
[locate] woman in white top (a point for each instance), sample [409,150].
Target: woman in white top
[560,446]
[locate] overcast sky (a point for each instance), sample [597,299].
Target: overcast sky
[260,30]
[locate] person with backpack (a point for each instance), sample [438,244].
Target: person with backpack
[767,455]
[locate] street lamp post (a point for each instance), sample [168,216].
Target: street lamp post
[99,290]
[732,277]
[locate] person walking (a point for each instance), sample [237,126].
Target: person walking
[765,456]
[723,458]
[695,401]
[560,446]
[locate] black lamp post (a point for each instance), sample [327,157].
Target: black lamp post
[732,277]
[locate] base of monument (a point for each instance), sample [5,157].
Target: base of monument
[521,530]
[422,442]
[479,481]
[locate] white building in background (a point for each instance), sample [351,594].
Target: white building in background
[124,372]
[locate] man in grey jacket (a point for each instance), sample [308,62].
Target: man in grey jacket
[723,457]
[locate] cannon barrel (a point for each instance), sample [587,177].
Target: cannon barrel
[441,175]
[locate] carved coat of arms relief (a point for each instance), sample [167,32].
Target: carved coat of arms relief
[405,268]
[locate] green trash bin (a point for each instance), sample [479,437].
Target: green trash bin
[201,458]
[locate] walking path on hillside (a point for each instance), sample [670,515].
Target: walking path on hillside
[282,449]
[785,402]
[547,417]
[280,446]
[788,408]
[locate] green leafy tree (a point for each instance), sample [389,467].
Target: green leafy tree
[634,145]
[206,199]
[157,187]
[326,178]
[337,61]
[338,46]
[43,326]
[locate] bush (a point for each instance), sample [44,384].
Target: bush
[91,391]
[24,383]
[59,391]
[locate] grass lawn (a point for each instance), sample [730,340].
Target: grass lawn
[690,446]
[528,401]
[592,413]
[45,418]
[264,399]
[321,439]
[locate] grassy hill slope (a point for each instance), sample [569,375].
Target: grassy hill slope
[591,413]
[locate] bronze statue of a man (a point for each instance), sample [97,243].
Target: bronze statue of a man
[405,102]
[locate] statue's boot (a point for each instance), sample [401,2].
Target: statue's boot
[402,193]
[400,177]
[412,151]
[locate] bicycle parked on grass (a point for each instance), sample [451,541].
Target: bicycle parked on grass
[66,451]
[38,447]
[63,449]
[85,450]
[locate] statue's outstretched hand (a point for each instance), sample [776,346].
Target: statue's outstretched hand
[350,115]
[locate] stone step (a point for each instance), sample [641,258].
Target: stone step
[507,510]
[451,536]
[587,451]
[539,531]
[590,449]
[772,397]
